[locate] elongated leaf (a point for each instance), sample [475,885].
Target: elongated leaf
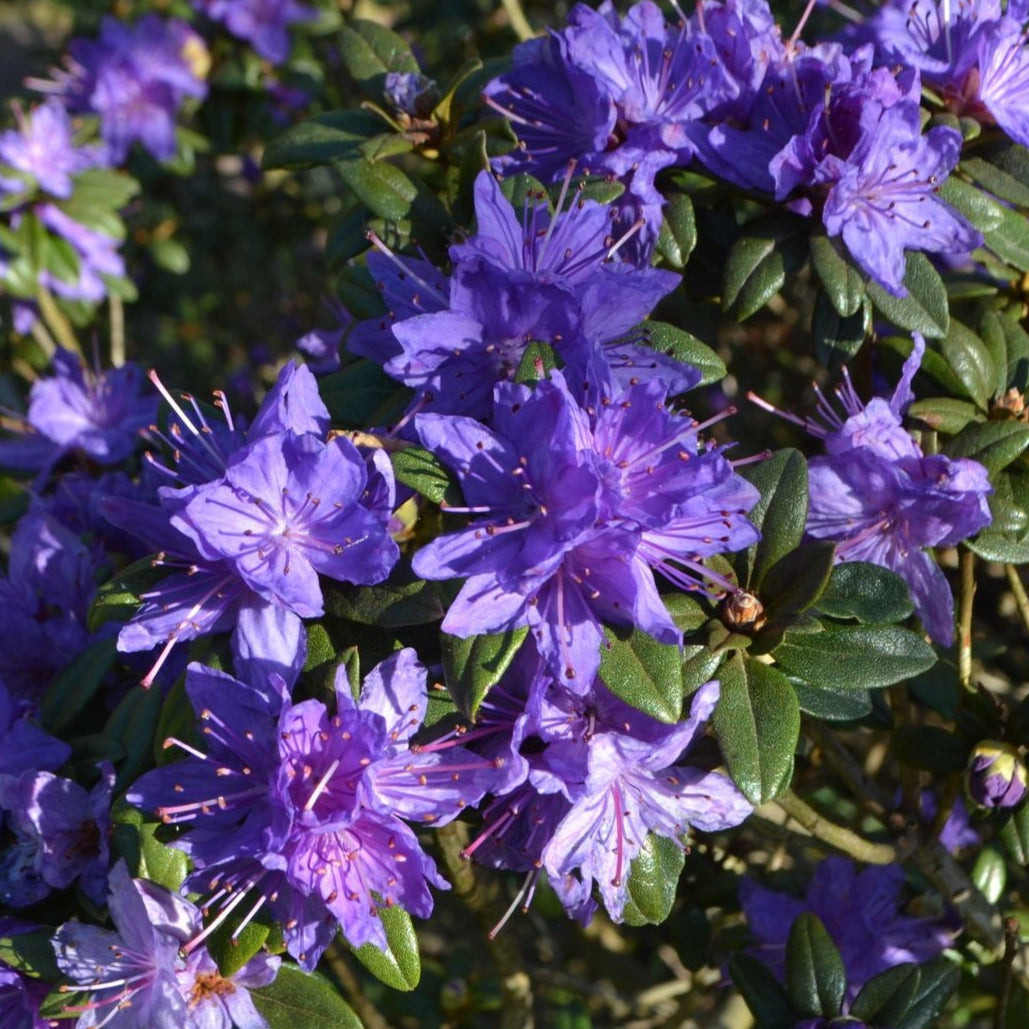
[907,996]
[678,231]
[1014,834]
[400,966]
[32,954]
[978,207]
[1003,169]
[796,581]
[118,600]
[925,309]
[303,1000]
[473,666]
[758,723]
[644,673]
[866,592]
[402,600]
[685,347]
[759,263]
[321,140]
[653,881]
[1010,239]
[842,284]
[993,444]
[133,725]
[945,414]
[384,189]
[832,705]
[838,338]
[815,976]
[370,51]
[763,993]
[854,656]
[73,689]
[971,361]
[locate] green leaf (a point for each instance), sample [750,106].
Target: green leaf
[537,362]
[832,705]
[688,613]
[757,721]
[780,514]
[303,1000]
[796,581]
[1014,834]
[678,231]
[907,996]
[1000,547]
[171,255]
[403,599]
[925,309]
[945,414]
[854,656]
[866,592]
[838,338]
[32,954]
[1002,332]
[399,966]
[370,51]
[686,348]
[646,674]
[971,361]
[359,392]
[843,284]
[73,689]
[699,666]
[587,187]
[147,858]
[653,881]
[815,977]
[993,444]
[133,725]
[118,600]
[763,993]
[384,189]
[320,140]
[990,874]
[758,264]
[978,207]
[426,475]
[1003,168]
[99,188]
[1010,239]
[473,666]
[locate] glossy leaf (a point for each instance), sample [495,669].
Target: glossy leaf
[757,721]
[971,361]
[763,993]
[402,600]
[815,977]
[644,673]
[843,286]
[1001,167]
[653,881]
[400,966]
[303,1000]
[320,140]
[758,265]
[907,996]
[425,474]
[678,231]
[370,51]
[945,414]
[76,685]
[993,444]
[838,337]
[832,705]
[925,309]
[473,666]
[32,954]
[1014,834]
[978,207]
[866,592]
[685,347]
[796,581]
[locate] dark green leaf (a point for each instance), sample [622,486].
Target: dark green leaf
[832,705]
[98,188]
[797,580]
[854,656]
[537,362]
[1014,834]
[945,414]
[763,993]
[587,187]
[757,721]
[403,599]
[425,474]
[370,51]
[133,725]
[32,954]
[867,592]
[700,663]
[1003,168]
[925,309]
[321,140]
[688,613]
[147,858]
[971,361]
[232,947]
[473,666]
[1010,239]
[993,444]
[442,111]
[118,600]
[73,689]
[780,514]
[990,874]
[384,189]
[685,347]
[978,207]
[653,881]
[399,966]
[646,674]
[384,145]
[930,749]
[303,1000]
[838,338]
[520,190]
[678,231]
[759,263]
[907,996]
[358,392]
[843,285]
[815,976]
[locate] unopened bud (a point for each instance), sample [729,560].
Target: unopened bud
[743,611]
[996,775]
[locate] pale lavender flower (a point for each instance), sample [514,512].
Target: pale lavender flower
[264,24]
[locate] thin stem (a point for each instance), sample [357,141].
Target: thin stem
[1021,597]
[516,16]
[41,334]
[966,565]
[117,332]
[836,835]
[1000,1016]
[483,899]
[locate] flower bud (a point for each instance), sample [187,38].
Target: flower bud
[996,775]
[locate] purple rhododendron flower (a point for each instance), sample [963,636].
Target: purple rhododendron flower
[25,746]
[882,500]
[264,24]
[996,776]
[45,150]
[563,534]
[304,809]
[862,913]
[136,78]
[148,973]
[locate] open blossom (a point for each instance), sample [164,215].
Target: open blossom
[264,24]
[306,809]
[882,500]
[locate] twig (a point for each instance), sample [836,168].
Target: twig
[483,899]
[837,836]
[1021,597]
[519,23]
[340,970]
[117,332]
[1000,1016]
[966,564]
